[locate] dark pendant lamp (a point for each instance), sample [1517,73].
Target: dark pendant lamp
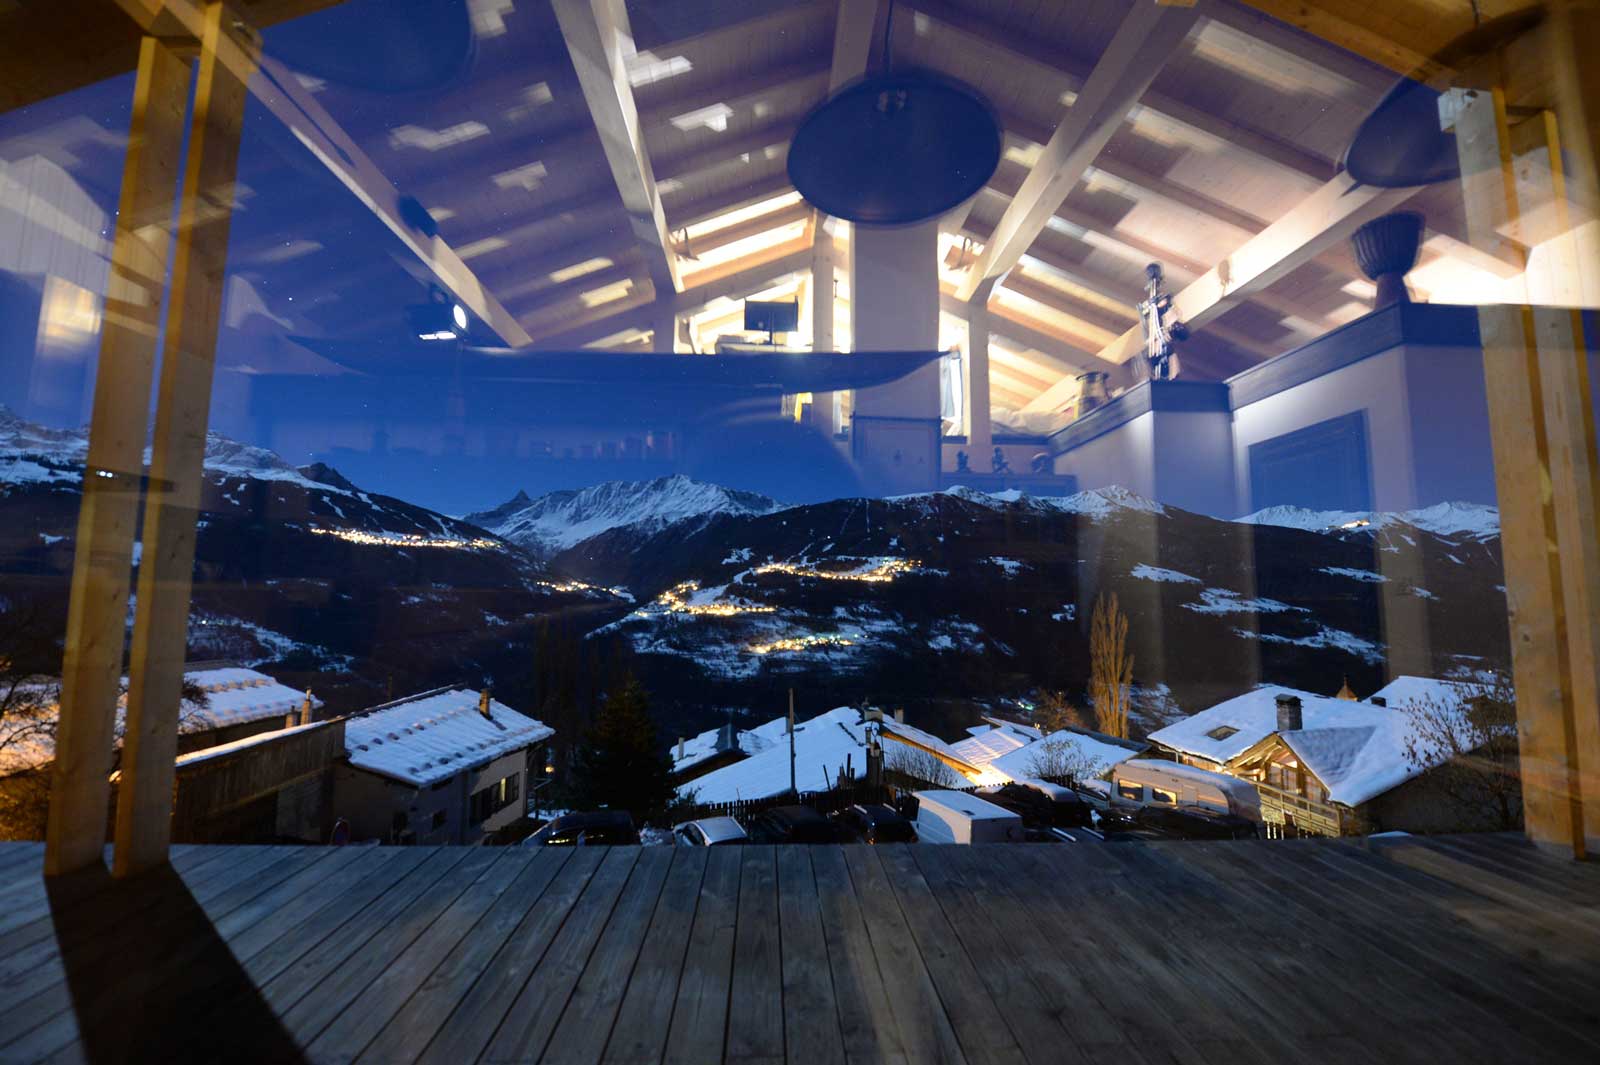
[399,45]
[895,148]
[1386,249]
[1400,144]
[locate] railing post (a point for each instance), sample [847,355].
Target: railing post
[91,669]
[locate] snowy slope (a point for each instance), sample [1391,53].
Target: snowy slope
[560,520]
[1452,521]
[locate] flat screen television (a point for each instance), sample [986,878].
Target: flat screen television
[764,317]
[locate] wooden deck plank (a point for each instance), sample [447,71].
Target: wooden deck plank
[372,1009]
[585,1026]
[639,1034]
[1034,1022]
[472,1023]
[1567,881]
[755,1004]
[1082,900]
[700,1011]
[918,1011]
[286,986]
[979,1022]
[527,1026]
[1396,996]
[404,1007]
[472,882]
[811,1030]
[867,1024]
[1391,912]
[49,1021]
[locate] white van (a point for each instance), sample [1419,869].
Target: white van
[956,817]
[1149,782]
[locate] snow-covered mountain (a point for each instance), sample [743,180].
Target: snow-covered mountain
[1456,521]
[560,520]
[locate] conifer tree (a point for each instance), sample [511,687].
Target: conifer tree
[620,765]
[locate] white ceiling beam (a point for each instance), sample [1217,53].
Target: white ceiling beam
[1148,35]
[1315,224]
[281,93]
[1049,58]
[599,41]
[852,41]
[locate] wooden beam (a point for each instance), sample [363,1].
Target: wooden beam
[1147,36]
[854,33]
[281,93]
[1400,37]
[1042,56]
[91,669]
[1316,223]
[1356,70]
[707,208]
[595,31]
[172,503]
[723,151]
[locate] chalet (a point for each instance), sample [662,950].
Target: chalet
[1323,766]
[444,766]
[1006,750]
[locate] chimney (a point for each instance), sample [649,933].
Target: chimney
[1290,718]
[725,740]
[900,715]
[680,748]
[305,709]
[1386,248]
[483,704]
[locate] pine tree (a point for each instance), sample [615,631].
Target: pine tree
[620,764]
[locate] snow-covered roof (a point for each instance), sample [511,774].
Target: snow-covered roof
[750,741]
[1225,731]
[822,746]
[234,696]
[989,741]
[1356,749]
[1405,691]
[432,736]
[206,754]
[1020,763]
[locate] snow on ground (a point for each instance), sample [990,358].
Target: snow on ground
[1155,573]
[1223,601]
[1337,639]
[1354,574]
[1010,565]
[1068,612]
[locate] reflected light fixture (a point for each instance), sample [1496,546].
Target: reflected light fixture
[896,147]
[1403,142]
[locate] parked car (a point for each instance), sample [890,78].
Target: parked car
[709,832]
[599,828]
[875,823]
[1040,804]
[956,817]
[792,824]
[1193,822]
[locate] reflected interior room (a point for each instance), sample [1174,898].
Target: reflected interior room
[799,531]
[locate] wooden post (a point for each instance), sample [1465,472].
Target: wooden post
[980,433]
[822,338]
[91,669]
[144,799]
[1542,425]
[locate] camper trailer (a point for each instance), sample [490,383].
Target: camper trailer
[956,817]
[1145,782]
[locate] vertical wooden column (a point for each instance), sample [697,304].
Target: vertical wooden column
[1542,424]
[144,800]
[980,433]
[822,338]
[97,614]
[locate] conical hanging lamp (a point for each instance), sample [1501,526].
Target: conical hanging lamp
[1402,144]
[896,147]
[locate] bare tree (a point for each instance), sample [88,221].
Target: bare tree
[1055,712]
[1467,744]
[1110,667]
[921,765]
[1061,761]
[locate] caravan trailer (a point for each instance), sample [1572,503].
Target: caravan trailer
[957,817]
[1146,782]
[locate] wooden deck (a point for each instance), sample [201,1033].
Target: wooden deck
[1466,949]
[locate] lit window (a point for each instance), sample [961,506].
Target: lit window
[1130,791]
[1164,797]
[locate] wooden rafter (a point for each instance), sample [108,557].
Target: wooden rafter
[595,31]
[1325,217]
[1147,36]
